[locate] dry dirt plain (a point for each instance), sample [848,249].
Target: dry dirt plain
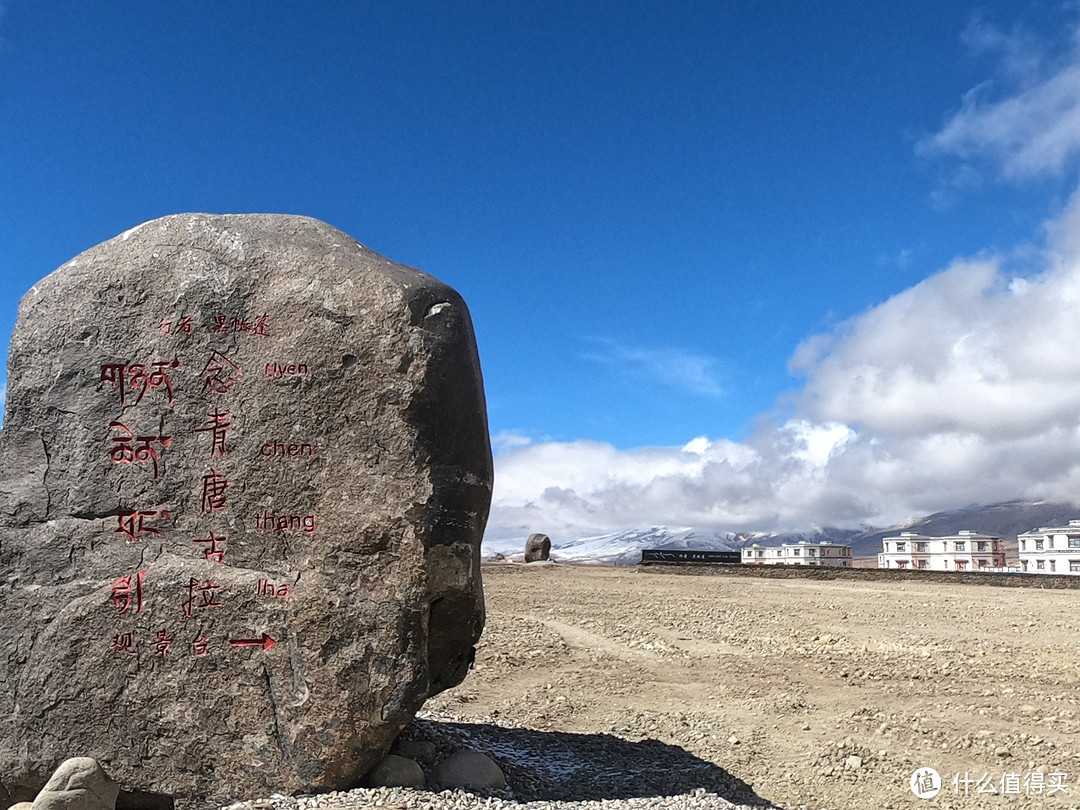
[816,694]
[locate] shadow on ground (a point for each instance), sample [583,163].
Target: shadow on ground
[563,766]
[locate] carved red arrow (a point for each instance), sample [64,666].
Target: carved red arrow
[265,642]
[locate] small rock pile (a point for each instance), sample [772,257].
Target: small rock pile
[464,765]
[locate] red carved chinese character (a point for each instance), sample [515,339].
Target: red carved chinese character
[200,646]
[163,643]
[213,496]
[123,595]
[165,327]
[217,427]
[130,523]
[221,324]
[124,642]
[184,325]
[241,325]
[212,552]
[262,328]
[123,452]
[220,373]
[201,596]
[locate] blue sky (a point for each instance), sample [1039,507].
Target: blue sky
[683,229]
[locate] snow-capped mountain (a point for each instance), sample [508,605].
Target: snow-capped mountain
[621,548]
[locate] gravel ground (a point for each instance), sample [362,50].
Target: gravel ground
[605,687]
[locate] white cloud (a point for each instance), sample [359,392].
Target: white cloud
[816,444]
[968,350]
[668,367]
[508,440]
[964,388]
[1024,125]
[581,488]
[1021,55]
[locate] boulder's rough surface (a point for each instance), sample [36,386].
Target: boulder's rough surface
[537,548]
[78,784]
[244,474]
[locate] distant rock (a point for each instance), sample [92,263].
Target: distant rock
[537,548]
[244,474]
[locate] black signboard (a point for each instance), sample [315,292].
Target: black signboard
[683,555]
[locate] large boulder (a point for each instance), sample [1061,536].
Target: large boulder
[537,548]
[244,474]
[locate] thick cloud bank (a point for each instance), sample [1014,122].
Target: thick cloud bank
[962,389]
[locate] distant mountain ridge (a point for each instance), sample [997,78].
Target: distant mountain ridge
[1004,520]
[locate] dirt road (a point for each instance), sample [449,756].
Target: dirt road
[822,694]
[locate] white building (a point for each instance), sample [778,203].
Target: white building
[1050,549]
[805,552]
[966,551]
